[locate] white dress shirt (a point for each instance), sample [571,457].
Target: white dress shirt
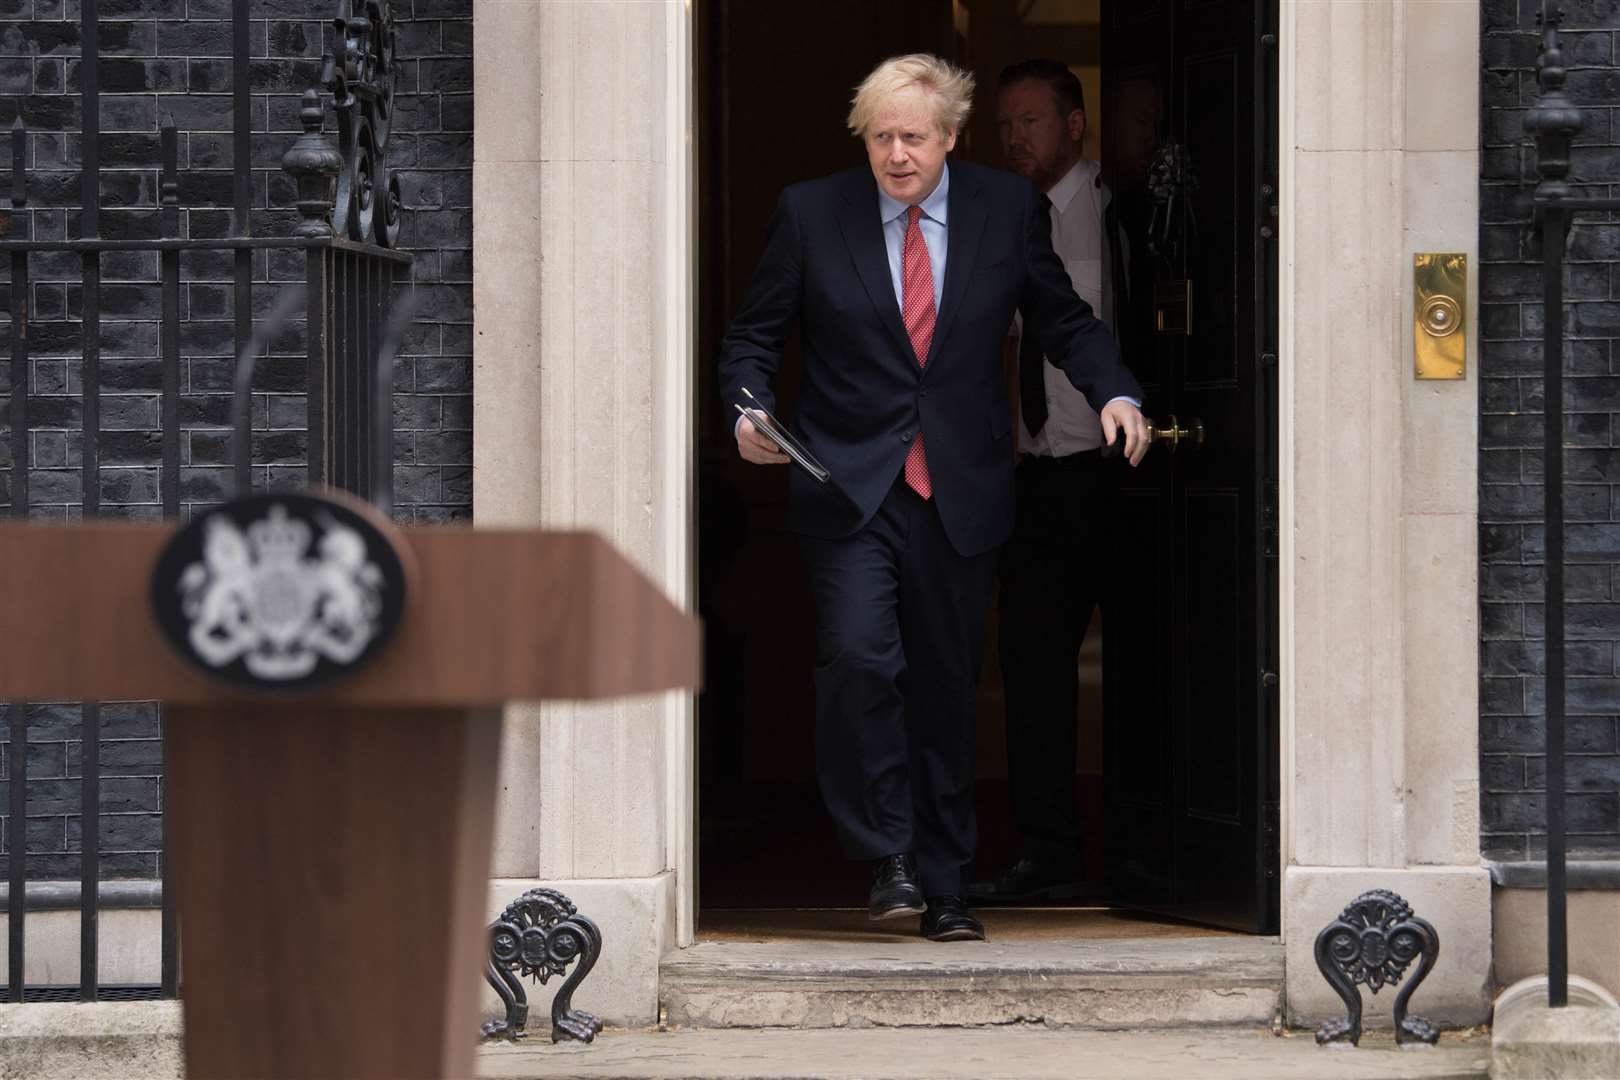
[892,212]
[1078,201]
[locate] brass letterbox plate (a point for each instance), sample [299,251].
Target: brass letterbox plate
[1439,312]
[1172,306]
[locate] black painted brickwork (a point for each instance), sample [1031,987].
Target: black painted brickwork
[163,58]
[131,767]
[1512,709]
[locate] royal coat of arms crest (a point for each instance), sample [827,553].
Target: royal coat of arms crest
[279,590]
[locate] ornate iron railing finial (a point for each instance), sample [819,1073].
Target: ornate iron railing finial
[1554,121]
[314,165]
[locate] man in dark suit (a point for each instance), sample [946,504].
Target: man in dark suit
[903,276]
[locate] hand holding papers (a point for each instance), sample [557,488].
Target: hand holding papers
[777,432]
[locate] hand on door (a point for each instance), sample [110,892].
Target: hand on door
[1121,419]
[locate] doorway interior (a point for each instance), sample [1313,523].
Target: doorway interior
[1177,769]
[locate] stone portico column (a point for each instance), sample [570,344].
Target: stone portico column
[1379,575]
[582,401]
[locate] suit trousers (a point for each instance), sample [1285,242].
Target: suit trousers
[900,622]
[1052,574]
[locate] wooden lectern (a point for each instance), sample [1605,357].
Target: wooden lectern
[332,845]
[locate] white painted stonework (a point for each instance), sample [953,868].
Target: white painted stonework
[1379,574]
[128,949]
[582,402]
[583,368]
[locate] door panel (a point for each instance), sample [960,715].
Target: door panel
[1137,787]
[1188,117]
[1212,700]
[1215,98]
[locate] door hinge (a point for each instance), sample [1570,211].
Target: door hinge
[1268,519]
[1268,210]
[1271,841]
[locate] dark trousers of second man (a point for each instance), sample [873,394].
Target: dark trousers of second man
[900,620]
[1052,573]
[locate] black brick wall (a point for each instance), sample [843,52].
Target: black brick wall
[163,58]
[1512,710]
[131,767]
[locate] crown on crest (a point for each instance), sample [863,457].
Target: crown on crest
[279,538]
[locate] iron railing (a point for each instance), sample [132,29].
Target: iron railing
[1554,122]
[349,207]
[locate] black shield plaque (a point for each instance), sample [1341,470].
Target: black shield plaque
[284,592]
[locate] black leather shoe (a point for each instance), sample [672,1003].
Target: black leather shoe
[894,889]
[1031,879]
[947,919]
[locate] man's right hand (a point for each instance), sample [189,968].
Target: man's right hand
[757,448]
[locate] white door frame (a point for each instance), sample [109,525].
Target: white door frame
[1378,594]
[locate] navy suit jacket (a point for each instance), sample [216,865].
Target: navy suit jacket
[863,396]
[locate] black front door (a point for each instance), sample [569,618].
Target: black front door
[1189,130]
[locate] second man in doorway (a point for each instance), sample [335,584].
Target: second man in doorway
[1053,568]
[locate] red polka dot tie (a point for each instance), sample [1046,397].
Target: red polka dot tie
[917,289]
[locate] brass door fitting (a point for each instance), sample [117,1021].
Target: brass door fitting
[1439,304]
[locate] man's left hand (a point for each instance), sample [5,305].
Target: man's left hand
[1121,419]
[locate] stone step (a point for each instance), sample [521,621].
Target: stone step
[1120,983]
[1025,1052]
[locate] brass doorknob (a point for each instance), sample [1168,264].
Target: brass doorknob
[1173,433]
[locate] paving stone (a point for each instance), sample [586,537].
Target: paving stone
[63,1041]
[1026,1052]
[1578,1041]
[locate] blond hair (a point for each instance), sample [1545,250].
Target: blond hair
[949,88]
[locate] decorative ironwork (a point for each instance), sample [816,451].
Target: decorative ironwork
[1554,122]
[314,165]
[361,77]
[1171,180]
[347,290]
[538,936]
[1372,943]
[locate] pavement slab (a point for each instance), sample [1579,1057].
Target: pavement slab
[1019,1052]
